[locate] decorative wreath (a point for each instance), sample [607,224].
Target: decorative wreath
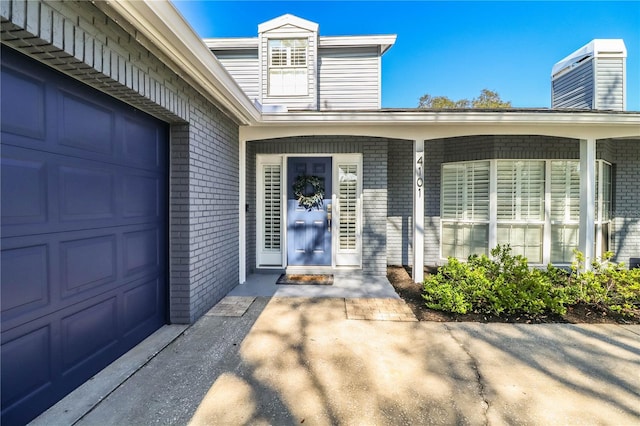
[308,201]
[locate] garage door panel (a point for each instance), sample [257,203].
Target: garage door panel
[25,279]
[88,262]
[141,195]
[66,268]
[54,193]
[88,332]
[86,193]
[32,348]
[85,125]
[141,252]
[23,115]
[141,143]
[141,305]
[24,182]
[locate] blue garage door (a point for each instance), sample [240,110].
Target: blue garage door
[84,233]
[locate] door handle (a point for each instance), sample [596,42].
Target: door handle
[329,217]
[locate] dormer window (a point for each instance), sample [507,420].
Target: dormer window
[288,67]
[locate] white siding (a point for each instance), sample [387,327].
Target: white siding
[349,78]
[574,89]
[610,88]
[244,67]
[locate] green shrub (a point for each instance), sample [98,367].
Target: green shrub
[505,284]
[607,285]
[497,285]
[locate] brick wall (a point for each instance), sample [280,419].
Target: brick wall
[80,40]
[625,238]
[374,162]
[400,203]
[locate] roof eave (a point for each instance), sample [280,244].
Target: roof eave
[165,27]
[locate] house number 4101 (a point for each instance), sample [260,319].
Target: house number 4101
[419,180]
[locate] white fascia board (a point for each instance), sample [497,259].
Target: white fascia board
[165,27]
[433,125]
[231,43]
[595,48]
[384,41]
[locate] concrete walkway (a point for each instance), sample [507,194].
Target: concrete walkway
[286,361]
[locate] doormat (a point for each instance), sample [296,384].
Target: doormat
[305,279]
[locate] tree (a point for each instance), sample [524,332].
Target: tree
[487,99]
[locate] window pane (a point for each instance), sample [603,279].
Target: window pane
[525,240]
[462,240]
[565,191]
[465,191]
[452,191]
[564,239]
[520,193]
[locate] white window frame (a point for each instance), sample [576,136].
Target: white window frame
[291,65]
[546,222]
[269,258]
[346,257]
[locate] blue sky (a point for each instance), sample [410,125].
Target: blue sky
[451,48]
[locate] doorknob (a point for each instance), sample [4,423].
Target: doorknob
[329,217]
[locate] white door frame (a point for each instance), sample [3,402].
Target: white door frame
[266,261]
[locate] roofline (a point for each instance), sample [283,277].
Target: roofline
[165,27]
[421,124]
[385,41]
[287,19]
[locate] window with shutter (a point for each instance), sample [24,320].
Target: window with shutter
[520,194]
[269,212]
[288,74]
[272,207]
[465,208]
[347,198]
[565,210]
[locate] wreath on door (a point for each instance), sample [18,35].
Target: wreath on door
[308,201]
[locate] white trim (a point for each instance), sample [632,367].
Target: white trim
[546,230]
[419,189]
[352,259]
[273,260]
[385,41]
[287,19]
[242,214]
[586,238]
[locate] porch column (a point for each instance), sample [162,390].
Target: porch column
[586,236]
[418,211]
[242,213]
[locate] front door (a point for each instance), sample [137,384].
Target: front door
[309,230]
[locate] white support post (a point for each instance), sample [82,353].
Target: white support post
[418,211]
[242,212]
[587,199]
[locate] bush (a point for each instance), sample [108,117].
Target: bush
[504,284]
[497,285]
[607,285]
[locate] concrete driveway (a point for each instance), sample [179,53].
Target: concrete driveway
[288,361]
